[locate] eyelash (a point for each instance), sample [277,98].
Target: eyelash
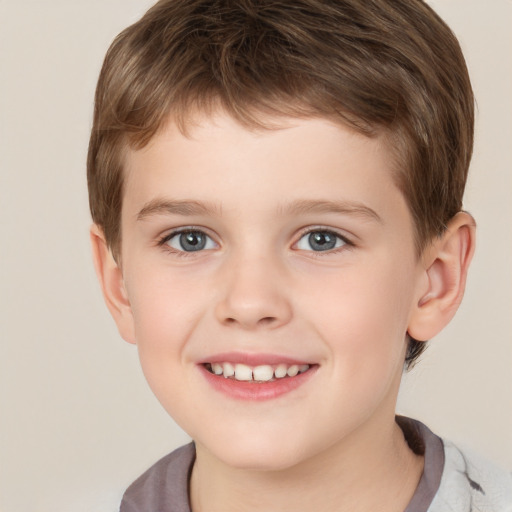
[162,242]
[347,244]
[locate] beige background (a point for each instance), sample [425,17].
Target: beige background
[78,422]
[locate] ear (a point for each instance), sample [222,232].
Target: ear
[112,285]
[446,262]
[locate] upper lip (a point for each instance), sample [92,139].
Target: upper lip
[253,359]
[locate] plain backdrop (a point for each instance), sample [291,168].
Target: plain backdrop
[77,420]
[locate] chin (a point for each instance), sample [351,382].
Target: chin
[258,454]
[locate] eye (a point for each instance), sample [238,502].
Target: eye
[189,241]
[320,240]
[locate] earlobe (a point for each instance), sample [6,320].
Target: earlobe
[112,284]
[446,264]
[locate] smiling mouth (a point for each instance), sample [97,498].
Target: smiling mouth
[261,373]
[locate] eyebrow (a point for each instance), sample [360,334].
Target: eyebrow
[170,207]
[301,206]
[304,206]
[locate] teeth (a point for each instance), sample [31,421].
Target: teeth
[243,372]
[229,371]
[293,370]
[281,371]
[217,368]
[262,373]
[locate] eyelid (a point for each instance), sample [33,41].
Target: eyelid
[162,240]
[347,242]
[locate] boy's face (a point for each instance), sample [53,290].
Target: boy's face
[268,248]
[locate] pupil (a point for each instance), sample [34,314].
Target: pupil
[322,241]
[193,241]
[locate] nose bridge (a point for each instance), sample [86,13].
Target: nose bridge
[253,292]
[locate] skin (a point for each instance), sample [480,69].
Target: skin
[259,287]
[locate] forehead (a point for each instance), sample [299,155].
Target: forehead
[221,162]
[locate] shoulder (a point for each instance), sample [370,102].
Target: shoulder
[471,483]
[164,486]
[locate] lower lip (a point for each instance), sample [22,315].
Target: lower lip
[244,390]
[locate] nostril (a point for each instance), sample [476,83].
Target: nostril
[266,320]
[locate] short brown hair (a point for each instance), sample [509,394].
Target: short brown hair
[379,66]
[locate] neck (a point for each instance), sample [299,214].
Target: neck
[373,469]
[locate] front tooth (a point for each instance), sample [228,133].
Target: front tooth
[281,371]
[243,372]
[217,368]
[293,370]
[229,371]
[263,373]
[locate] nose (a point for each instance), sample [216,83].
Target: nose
[254,295]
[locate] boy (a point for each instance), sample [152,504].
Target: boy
[276,189]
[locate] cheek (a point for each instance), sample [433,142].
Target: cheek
[165,309]
[362,315]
